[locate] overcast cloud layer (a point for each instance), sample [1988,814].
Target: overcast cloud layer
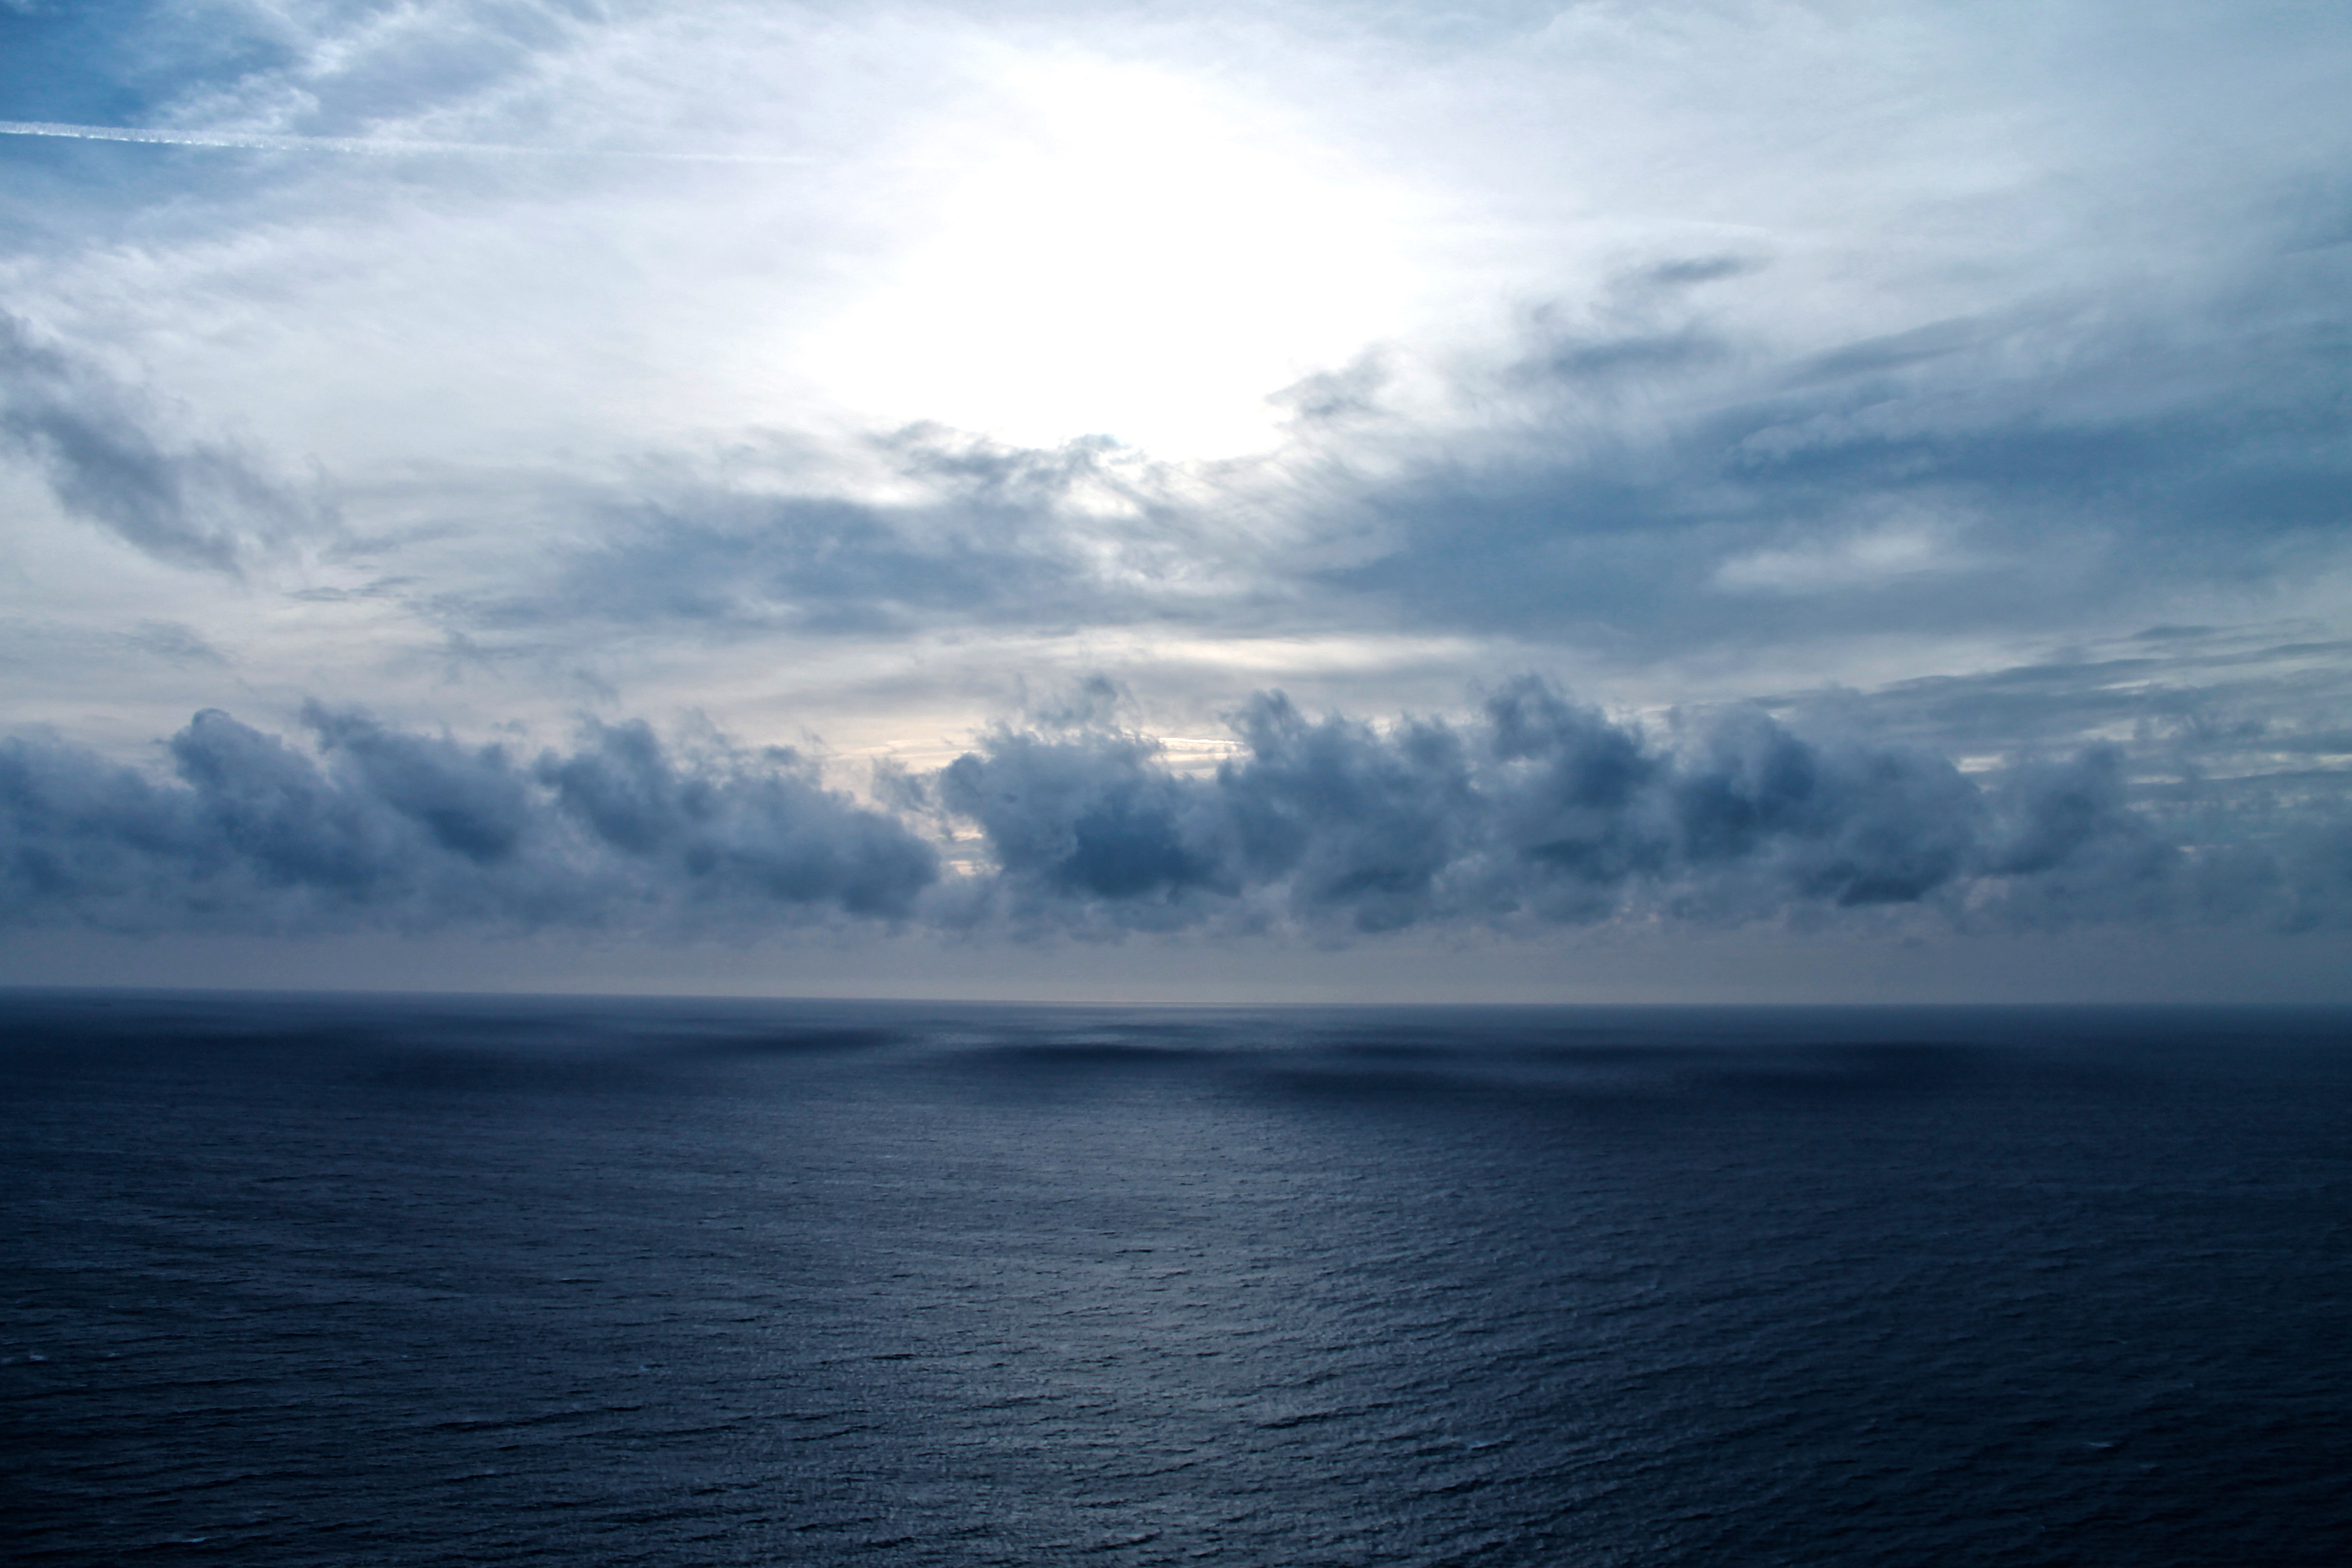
[1314,475]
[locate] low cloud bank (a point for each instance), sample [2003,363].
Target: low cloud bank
[1536,812]
[385,828]
[1541,811]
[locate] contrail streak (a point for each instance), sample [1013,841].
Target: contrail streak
[369,144]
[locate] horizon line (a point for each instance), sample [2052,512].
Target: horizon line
[15,988]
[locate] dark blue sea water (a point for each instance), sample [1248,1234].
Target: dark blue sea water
[468,1280]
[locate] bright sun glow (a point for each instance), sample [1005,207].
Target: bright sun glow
[1127,253]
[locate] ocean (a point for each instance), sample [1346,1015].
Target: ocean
[318,1280]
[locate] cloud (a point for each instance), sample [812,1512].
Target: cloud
[2245,722]
[193,504]
[1654,472]
[1543,812]
[375,828]
[1674,475]
[1534,812]
[920,530]
[1885,368]
[737,831]
[977,532]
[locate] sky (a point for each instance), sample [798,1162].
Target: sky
[1691,500]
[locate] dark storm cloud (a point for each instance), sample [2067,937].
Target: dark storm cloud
[737,829]
[1536,812]
[379,826]
[1545,810]
[189,503]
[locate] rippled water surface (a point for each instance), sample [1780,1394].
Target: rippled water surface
[463,1280]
